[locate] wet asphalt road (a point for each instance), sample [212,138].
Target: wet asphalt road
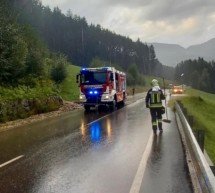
[166,169]
[79,153]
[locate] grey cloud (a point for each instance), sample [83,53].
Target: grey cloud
[128,17]
[170,10]
[152,9]
[174,9]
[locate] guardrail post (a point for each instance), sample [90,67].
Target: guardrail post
[201,138]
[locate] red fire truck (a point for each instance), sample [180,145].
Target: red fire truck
[102,86]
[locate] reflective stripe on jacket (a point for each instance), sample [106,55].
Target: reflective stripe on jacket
[154,98]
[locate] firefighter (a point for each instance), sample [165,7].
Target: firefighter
[153,101]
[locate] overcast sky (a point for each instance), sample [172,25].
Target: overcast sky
[186,23]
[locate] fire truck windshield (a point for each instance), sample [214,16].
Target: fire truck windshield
[90,77]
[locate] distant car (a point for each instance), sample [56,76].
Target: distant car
[177,89]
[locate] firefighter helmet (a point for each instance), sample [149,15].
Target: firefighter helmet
[154,82]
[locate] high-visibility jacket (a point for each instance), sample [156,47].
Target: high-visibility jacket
[154,98]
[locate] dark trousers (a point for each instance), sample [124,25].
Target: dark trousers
[156,116]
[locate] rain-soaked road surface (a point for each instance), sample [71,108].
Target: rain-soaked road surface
[79,153]
[166,169]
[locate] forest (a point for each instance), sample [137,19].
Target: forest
[36,35]
[24,59]
[81,43]
[198,74]
[37,43]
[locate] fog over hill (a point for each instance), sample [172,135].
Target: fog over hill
[172,54]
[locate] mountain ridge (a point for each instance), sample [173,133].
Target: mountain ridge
[172,54]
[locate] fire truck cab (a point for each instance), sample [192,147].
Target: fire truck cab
[102,86]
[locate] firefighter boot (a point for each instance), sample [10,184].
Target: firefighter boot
[160,125]
[154,128]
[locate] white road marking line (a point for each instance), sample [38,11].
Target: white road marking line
[10,161]
[135,188]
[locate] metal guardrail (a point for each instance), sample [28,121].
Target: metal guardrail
[206,177]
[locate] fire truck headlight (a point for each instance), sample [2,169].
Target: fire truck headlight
[81,97]
[107,97]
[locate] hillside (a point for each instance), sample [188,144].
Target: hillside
[82,43]
[172,54]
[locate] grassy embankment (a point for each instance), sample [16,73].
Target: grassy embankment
[201,106]
[69,89]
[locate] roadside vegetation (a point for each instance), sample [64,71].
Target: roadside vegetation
[197,73]
[201,106]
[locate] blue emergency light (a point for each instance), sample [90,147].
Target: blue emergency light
[93,92]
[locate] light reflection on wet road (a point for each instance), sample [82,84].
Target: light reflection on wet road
[92,153]
[74,154]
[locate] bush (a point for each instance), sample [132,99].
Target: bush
[19,109]
[59,70]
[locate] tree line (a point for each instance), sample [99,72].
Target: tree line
[82,42]
[198,73]
[32,34]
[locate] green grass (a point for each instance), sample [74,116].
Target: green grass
[201,106]
[69,89]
